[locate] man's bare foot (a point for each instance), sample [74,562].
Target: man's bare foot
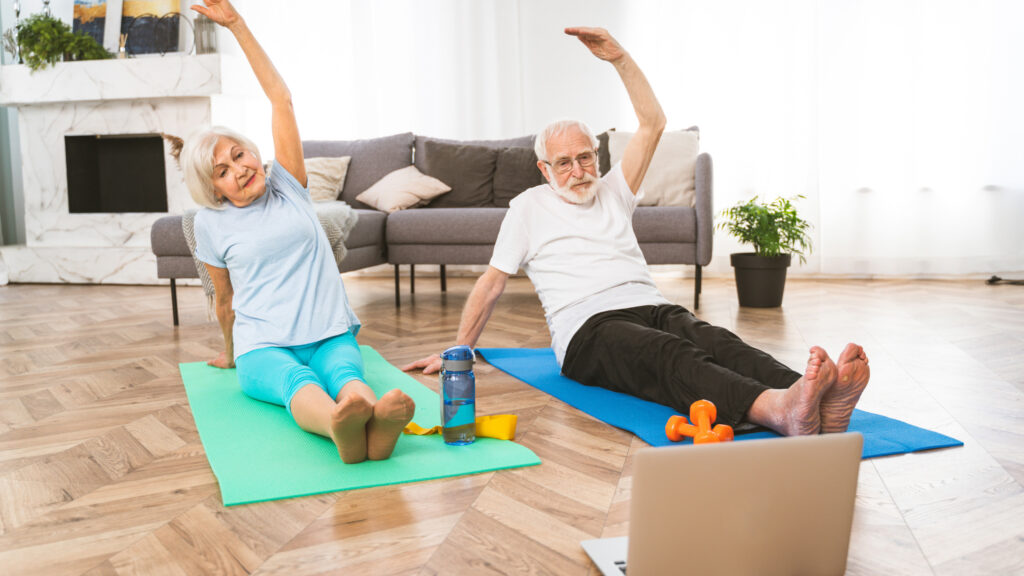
[838,403]
[794,411]
[800,404]
[390,415]
[348,427]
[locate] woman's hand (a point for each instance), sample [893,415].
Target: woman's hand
[222,361]
[599,41]
[220,11]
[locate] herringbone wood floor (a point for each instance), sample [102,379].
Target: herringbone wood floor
[102,471]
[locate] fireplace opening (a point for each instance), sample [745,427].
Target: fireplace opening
[116,173]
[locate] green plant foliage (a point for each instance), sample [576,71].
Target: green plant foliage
[44,40]
[772,229]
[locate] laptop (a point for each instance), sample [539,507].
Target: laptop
[770,506]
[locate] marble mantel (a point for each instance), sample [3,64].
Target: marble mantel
[170,76]
[169,94]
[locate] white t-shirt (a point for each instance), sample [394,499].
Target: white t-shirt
[582,259]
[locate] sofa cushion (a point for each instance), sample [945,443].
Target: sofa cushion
[468,169]
[670,178]
[460,253]
[480,225]
[445,226]
[372,159]
[325,177]
[665,224]
[401,189]
[515,171]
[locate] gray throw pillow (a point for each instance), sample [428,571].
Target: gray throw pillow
[516,171]
[519,142]
[469,170]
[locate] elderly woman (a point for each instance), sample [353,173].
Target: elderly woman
[281,304]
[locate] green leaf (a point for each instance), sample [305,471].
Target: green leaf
[44,40]
[772,229]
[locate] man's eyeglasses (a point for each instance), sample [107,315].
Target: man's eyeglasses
[563,165]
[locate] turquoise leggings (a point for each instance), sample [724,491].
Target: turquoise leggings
[275,374]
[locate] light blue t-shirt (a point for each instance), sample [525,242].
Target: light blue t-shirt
[287,289]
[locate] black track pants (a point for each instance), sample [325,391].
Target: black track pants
[666,355]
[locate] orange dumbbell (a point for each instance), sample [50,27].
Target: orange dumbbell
[702,414]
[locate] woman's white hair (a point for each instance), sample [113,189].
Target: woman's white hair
[540,144]
[197,162]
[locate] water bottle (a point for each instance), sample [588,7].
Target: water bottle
[458,392]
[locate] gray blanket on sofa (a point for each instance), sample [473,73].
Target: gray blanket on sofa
[337,219]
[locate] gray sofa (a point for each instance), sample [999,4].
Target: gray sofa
[461,226]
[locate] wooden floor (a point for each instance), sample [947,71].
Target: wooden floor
[102,471]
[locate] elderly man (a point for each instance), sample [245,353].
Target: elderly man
[610,326]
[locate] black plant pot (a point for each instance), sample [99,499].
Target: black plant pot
[760,280]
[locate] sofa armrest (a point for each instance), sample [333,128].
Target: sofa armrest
[173,258]
[704,207]
[167,239]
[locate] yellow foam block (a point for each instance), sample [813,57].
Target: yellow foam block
[500,426]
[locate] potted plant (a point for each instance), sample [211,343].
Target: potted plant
[44,40]
[776,232]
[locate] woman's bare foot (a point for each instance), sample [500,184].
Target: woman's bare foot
[348,427]
[838,403]
[390,415]
[794,411]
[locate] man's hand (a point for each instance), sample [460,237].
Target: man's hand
[599,41]
[430,365]
[222,361]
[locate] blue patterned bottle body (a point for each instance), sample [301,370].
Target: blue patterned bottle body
[458,396]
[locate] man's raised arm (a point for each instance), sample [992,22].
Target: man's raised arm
[637,156]
[475,314]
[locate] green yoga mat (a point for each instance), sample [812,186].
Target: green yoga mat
[258,453]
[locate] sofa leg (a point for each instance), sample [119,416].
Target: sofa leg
[174,302]
[398,294]
[696,289]
[444,280]
[412,278]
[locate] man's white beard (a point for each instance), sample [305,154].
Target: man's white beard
[571,196]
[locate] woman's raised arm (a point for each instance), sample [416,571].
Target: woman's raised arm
[287,144]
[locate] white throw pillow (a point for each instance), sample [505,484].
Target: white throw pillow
[670,177]
[326,176]
[401,189]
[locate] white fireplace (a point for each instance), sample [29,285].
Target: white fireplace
[128,97]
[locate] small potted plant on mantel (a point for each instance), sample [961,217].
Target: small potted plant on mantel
[43,40]
[777,233]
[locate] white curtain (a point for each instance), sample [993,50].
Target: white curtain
[900,121]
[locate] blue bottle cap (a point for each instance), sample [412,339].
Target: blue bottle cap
[457,359]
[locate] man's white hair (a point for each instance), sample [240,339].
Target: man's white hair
[197,162]
[540,145]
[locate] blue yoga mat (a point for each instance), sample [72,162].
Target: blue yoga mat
[537,367]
